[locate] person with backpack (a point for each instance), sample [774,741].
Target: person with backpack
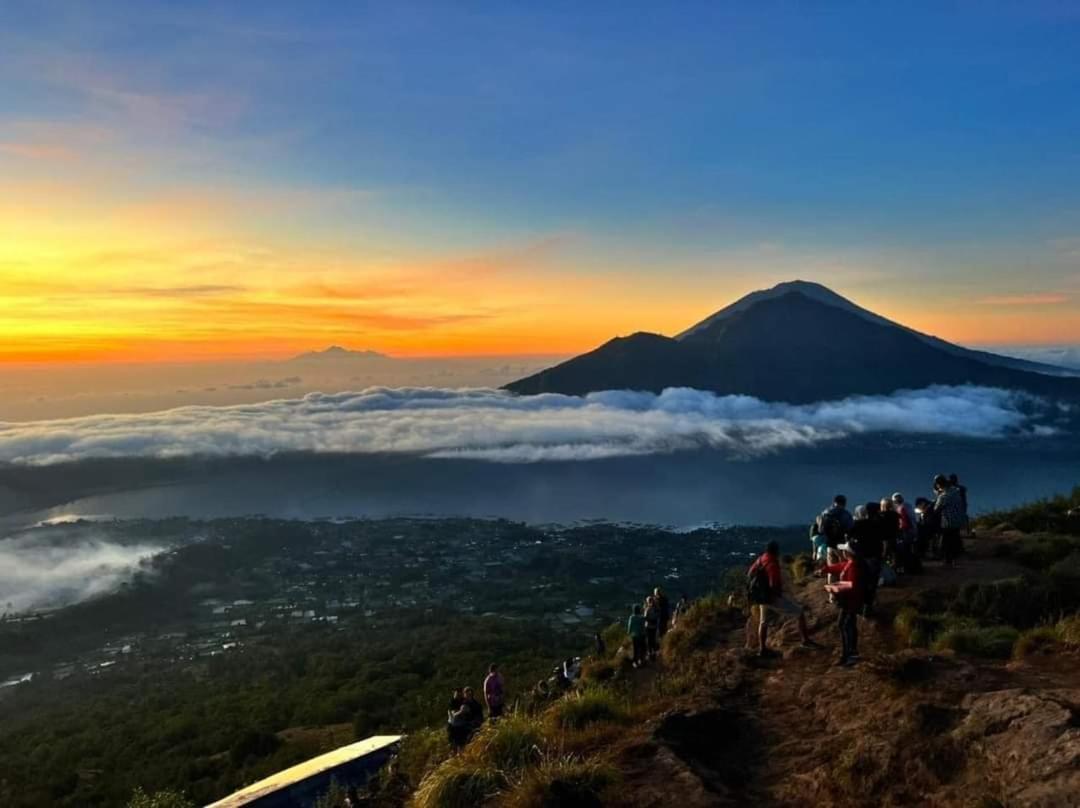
[850,570]
[867,536]
[834,523]
[635,630]
[765,592]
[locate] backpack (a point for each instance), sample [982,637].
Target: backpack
[757,585]
[830,526]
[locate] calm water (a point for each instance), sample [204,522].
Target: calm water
[678,489]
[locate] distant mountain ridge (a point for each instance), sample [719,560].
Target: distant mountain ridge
[796,342]
[336,352]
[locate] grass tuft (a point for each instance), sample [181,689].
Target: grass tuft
[993,642]
[1068,631]
[1036,641]
[512,742]
[563,782]
[590,706]
[460,782]
[705,623]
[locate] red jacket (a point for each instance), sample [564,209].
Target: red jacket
[849,570]
[771,565]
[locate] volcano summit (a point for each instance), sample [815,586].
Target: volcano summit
[797,342]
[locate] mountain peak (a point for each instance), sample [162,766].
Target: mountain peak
[339,353]
[786,344]
[810,289]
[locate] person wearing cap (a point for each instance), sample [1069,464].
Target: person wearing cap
[851,570]
[778,604]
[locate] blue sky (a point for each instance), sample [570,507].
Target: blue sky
[711,147]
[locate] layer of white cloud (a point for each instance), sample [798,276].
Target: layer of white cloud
[37,570]
[496,426]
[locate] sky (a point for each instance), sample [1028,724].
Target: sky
[196,181]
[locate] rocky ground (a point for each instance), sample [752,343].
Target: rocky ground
[904,727]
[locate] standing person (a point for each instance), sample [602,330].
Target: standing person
[457,721]
[819,544]
[890,528]
[635,630]
[474,711]
[949,508]
[834,523]
[493,691]
[909,534]
[867,537]
[954,481]
[681,607]
[926,525]
[850,601]
[765,591]
[663,606]
[601,646]
[652,623]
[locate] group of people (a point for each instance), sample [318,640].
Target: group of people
[649,622]
[465,713]
[858,551]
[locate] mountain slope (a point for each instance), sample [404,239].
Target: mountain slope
[796,344]
[824,295]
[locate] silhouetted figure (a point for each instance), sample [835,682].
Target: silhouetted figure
[494,691]
[652,623]
[635,630]
[663,606]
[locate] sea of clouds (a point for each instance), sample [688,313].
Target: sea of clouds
[496,426]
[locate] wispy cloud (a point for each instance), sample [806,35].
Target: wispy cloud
[50,567]
[1033,299]
[495,426]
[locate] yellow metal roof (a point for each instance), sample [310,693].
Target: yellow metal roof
[302,771]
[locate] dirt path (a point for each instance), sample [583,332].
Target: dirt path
[776,736]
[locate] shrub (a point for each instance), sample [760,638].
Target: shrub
[802,567]
[1068,631]
[1036,640]
[563,782]
[590,706]
[1049,515]
[1040,552]
[595,671]
[614,637]
[916,629]
[995,642]
[509,743]
[460,782]
[1019,602]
